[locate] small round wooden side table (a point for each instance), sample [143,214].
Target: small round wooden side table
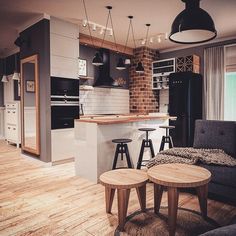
[174,176]
[123,180]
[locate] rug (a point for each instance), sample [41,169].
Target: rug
[189,223]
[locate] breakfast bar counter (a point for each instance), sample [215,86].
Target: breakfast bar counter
[116,119]
[95,151]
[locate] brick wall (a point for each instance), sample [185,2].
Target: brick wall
[142,97]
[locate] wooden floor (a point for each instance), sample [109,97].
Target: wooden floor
[37,199]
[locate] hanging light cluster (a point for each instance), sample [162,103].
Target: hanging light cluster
[121,65]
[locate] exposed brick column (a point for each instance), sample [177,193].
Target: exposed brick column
[142,97]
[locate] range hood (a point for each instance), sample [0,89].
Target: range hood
[104,79]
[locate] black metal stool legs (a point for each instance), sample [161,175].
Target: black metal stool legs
[166,139]
[128,157]
[151,148]
[140,159]
[146,143]
[116,156]
[122,149]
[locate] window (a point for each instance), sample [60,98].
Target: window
[230,83]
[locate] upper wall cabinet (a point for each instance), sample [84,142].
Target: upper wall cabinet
[64,48]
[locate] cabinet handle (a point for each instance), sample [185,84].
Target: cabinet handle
[14,128]
[14,112]
[8,127]
[8,112]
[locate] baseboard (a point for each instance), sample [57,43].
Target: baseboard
[72,159]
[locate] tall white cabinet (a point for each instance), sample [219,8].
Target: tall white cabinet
[64,60]
[64,48]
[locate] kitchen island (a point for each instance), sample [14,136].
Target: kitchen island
[95,150]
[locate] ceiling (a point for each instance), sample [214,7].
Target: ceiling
[159,13]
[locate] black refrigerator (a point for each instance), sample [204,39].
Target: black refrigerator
[185,102]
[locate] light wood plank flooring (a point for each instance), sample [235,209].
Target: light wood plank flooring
[37,199]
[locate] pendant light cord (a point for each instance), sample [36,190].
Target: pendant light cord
[104,35]
[127,38]
[114,36]
[148,26]
[132,29]
[86,15]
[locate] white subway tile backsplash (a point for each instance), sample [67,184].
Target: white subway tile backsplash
[105,101]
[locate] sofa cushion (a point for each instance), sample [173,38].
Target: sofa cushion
[216,134]
[229,230]
[222,175]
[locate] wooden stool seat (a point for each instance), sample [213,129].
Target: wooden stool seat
[121,140]
[123,180]
[175,176]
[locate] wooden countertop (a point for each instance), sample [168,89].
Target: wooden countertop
[117,119]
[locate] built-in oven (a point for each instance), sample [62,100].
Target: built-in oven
[64,102]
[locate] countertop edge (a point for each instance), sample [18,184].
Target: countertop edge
[127,120]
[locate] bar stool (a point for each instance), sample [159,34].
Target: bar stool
[146,143]
[122,148]
[167,138]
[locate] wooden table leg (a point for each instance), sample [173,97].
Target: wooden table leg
[173,197]
[141,192]
[109,196]
[202,193]
[158,191]
[123,199]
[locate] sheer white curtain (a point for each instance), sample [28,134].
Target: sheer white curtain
[214,72]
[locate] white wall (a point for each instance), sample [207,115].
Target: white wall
[164,100]
[105,101]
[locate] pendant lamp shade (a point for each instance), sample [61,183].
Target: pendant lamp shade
[97,60]
[16,76]
[4,79]
[120,64]
[192,25]
[139,68]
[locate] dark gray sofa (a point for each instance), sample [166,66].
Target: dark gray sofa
[220,135]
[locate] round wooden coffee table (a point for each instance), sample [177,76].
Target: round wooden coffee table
[123,180]
[174,176]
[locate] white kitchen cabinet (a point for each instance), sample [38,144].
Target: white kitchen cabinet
[63,145]
[12,123]
[64,67]
[64,49]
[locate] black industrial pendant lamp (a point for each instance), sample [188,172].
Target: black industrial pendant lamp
[121,63]
[192,25]
[97,60]
[140,68]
